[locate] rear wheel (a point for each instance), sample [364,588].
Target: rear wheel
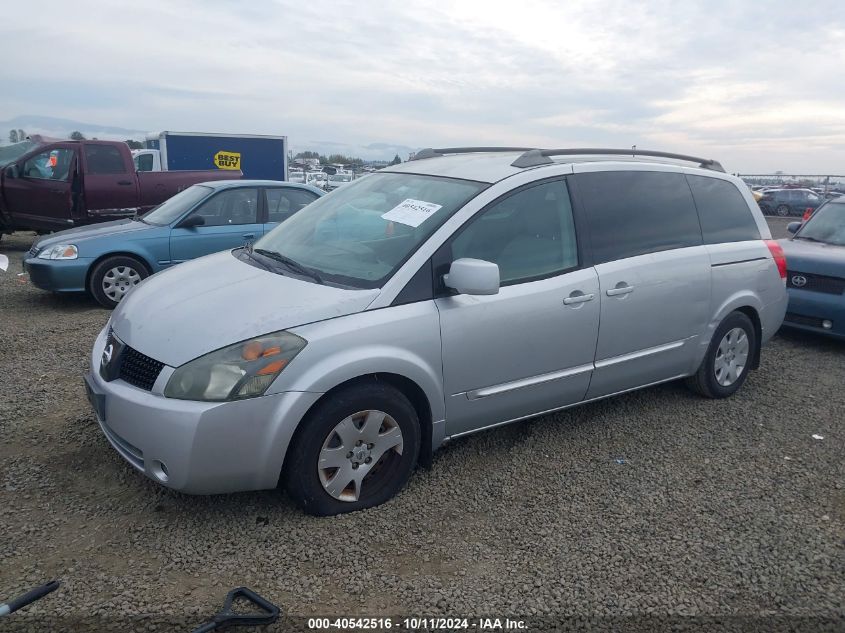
[726,363]
[783,210]
[113,277]
[355,450]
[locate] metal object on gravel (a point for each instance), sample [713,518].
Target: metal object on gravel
[30,596]
[227,618]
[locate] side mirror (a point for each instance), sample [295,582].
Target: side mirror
[12,172]
[191,221]
[793,227]
[473,277]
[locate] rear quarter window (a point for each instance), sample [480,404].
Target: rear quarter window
[724,213]
[636,212]
[103,159]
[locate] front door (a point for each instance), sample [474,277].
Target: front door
[230,220]
[529,348]
[42,197]
[654,276]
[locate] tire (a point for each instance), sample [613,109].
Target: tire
[125,271]
[714,372]
[783,211]
[316,489]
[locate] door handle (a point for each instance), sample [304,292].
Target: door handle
[249,236]
[575,297]
[124,182]
[621,289]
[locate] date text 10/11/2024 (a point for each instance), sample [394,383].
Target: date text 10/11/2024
[418,623]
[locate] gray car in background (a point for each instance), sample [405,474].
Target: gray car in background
[460,291]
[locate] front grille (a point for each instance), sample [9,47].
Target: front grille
[816,283]
[138,370]
[800,319]
[34,250]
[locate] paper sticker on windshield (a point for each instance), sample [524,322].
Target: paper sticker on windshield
[411,212]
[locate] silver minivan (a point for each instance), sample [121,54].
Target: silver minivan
[459,291]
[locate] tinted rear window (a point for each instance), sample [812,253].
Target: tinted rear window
[635,212]
[724,214]
[103,159]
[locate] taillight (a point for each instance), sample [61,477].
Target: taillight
[780,259]
[807,214]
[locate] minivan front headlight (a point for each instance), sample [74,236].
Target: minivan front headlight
[242,370]
[59,251]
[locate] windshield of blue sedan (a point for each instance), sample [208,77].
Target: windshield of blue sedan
[826,225]
[360,234]
[173,208]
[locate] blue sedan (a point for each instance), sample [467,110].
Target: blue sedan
[108,259]
[815,259]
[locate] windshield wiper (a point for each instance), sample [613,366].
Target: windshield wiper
[294,265]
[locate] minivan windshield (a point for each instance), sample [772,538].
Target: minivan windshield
[174,207]
[360,234]
[827,225]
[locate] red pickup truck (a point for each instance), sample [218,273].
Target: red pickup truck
[50,185]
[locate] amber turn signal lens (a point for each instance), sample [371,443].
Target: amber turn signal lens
[273,368]
[251,351]
[272,351]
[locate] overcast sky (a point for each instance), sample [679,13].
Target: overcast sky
[758,85]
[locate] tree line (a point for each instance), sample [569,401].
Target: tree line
[16,136]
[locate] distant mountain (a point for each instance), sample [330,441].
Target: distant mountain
[61,128]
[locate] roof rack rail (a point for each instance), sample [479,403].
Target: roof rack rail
[433,153]
[534,157]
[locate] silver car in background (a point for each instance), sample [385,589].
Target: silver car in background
[457,292]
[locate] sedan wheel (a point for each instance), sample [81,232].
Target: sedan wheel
[118,280]
[115,276]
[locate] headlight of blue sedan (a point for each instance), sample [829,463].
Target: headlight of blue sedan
[59,251]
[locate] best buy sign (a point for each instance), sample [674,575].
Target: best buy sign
[227,160]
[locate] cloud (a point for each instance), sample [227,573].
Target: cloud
[755,85]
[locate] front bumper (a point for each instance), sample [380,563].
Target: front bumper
[808,309]
[58,275]
[205,447]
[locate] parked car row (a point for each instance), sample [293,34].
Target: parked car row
[422,303]
[786,202]
[50,186]
[109,259]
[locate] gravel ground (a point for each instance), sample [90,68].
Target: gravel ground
[652,503]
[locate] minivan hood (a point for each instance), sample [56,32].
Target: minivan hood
[72,236]
[814,257]
[211,302]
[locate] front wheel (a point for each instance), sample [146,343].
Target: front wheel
[783,211]
[729,356]
[113,277]
[355,450]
